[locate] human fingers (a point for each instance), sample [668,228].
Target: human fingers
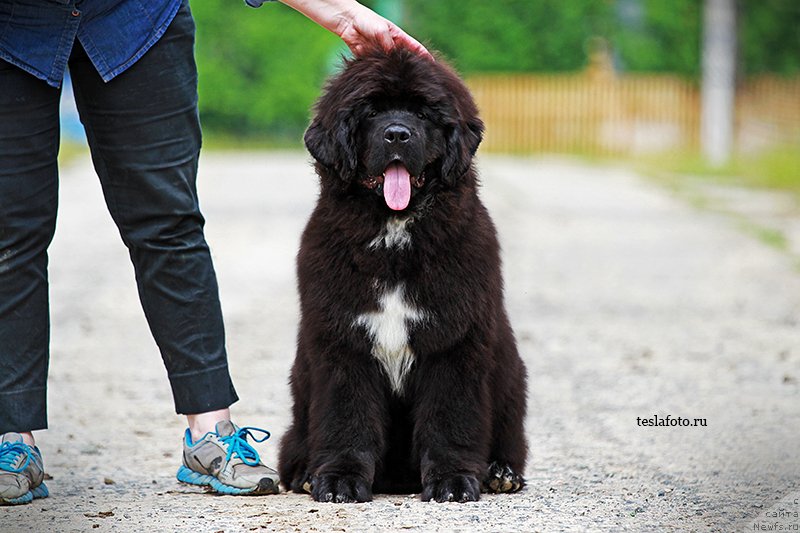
[401,38]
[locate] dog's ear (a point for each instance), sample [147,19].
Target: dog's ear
[461,144]
[334,145]
[320,144]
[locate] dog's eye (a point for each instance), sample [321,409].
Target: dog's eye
[421,115]
[373,114]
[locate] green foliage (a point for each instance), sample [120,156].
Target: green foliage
[509,35]
[260,69]
[644,35]
[658,36]
[661,36]
[769,36]
[556,35]
[775,168]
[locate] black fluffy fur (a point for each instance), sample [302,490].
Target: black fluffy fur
[456,426]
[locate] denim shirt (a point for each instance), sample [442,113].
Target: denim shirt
[38,35]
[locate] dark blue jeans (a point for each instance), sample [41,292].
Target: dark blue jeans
[144,136]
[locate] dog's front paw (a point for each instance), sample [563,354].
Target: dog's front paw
[456,488]
[340,489]
[502,478]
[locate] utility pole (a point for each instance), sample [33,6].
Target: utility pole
[718,90]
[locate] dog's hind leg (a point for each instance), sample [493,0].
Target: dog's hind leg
[293,461]
[500,477]
[293,455]
[509,449]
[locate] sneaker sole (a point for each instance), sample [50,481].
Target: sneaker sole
[39,492]
[187,475]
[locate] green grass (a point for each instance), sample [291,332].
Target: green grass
[69,151]
[777,168]
[212,141]
[226,142]
[770,236]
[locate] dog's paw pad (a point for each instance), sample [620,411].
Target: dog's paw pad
[456,488]
[502,478]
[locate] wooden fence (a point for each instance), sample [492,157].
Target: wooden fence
[767,113]
[598,112]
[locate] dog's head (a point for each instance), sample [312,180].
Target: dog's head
[394,125]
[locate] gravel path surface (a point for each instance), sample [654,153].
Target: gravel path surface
[627,303]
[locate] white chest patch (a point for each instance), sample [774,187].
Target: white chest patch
[388,329]
[394,234]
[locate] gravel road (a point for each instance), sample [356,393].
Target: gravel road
[627,303]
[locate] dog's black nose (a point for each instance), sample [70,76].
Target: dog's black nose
[396,133]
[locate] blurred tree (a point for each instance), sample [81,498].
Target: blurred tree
[646,35]
[769,36]
[509,35]
[260,69]
[658,36]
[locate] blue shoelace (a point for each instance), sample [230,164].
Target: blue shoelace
[9,454]
[237,444]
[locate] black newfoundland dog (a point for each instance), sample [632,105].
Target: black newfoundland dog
[407,376]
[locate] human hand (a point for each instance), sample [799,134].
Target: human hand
[363,30]
[359,27]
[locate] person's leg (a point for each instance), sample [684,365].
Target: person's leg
[28,438]
[202,423]
[29,138]
[144,135]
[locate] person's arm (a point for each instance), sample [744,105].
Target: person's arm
[359,27]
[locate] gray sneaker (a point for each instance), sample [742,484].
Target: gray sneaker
[224,461]
[21,471]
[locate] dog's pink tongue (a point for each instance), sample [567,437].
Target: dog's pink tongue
[397,186]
